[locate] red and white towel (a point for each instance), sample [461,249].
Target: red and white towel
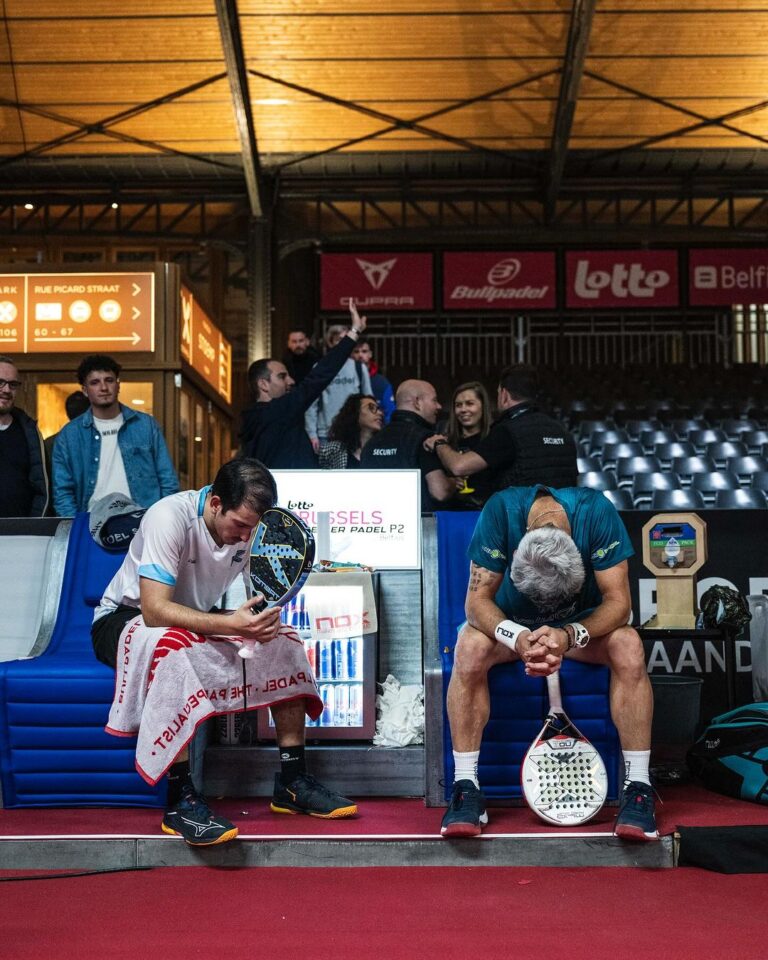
[169,680]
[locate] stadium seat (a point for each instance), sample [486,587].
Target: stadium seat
[759,480]
[650,438]
[612,452]
[734,428]
[621,499]
[585,428]
[597,480]
[598,439]
[644,485]
[755,440]
[628,467]
[584,464]
[684,427]
[701,437]
[679,500]
[741,500]
[636,428]
[744,467]
[667,452]
[710,484]
[725,450]
[685,467]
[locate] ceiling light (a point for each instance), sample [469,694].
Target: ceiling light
[272,102]
[115,204]
[138,403]
[29,206]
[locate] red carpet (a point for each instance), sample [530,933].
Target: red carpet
[686,805]
[388,913]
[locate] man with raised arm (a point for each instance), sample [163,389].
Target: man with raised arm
[548,579]
[273,427]
[176,654]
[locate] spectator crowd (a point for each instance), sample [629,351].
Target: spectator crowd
[308,410]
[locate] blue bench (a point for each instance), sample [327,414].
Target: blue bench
[518,703]
[53,708]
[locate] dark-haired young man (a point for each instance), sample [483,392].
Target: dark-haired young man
[524,444]
[111,448]
[177,655]
[300,356]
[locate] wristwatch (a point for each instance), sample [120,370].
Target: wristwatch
[439,443]
[578,634]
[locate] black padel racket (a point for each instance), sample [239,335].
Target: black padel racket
[282,552]
[563,776]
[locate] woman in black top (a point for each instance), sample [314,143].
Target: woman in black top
[469,421]
[353,426]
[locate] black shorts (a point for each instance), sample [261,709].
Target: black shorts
[105,633]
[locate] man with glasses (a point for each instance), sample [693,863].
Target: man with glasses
[23,477]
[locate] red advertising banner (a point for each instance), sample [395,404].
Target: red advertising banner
[499,281]
[722,277]
[376,281]
[621,278]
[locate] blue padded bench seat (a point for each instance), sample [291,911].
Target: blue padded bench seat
[53,708]
[518,703]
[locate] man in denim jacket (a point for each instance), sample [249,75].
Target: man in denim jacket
[110,448]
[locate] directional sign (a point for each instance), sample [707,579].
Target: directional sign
[11,313]
[83,313]
[204,346]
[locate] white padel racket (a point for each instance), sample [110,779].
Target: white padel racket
[282,552]
[563,776]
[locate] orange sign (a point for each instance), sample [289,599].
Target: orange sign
[78,312]
[12,291]
[204,346]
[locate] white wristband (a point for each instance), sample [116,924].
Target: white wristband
[507,633]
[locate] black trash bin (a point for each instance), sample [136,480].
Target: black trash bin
[676,716]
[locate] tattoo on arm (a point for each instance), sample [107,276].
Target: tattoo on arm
[479,578]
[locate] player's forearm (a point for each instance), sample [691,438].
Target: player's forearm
[612,613]
[171,614]
[484,615]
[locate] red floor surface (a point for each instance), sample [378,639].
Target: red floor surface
[392,913]
[685,805]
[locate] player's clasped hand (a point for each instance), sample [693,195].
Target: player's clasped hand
[253,624]
[542,650]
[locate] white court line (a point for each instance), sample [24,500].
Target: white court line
[570,835]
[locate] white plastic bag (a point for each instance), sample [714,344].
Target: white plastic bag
[399,714]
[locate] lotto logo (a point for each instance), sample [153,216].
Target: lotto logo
[623,281]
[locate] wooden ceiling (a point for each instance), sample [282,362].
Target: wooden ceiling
[653,69]
[97,93]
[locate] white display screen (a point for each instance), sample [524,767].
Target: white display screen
[374,515]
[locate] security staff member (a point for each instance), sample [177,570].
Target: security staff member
[523,447]
[400,445]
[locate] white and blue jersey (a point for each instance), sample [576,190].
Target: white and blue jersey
[596,529]
[173,546]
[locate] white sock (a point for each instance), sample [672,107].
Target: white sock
[465,766]
[636,765]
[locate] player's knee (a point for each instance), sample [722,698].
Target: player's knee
[626,652]
[471,656]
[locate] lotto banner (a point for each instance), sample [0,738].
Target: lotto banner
[621,278]
[723,277]
[499,281]
[376,281]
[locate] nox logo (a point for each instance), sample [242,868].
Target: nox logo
[624,281]
[504,271]
[376,273]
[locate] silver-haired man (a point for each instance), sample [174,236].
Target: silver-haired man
[548,576]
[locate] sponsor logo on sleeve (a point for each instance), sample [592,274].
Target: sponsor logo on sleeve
[603,552]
